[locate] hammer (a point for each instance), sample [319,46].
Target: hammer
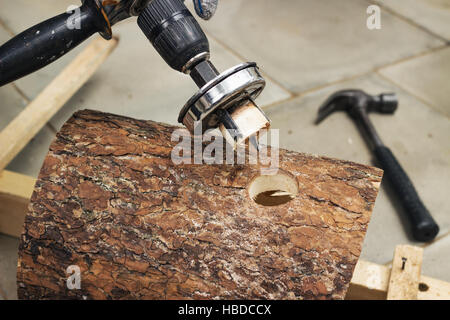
[358,104]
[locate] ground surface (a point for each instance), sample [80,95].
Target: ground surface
[307,49]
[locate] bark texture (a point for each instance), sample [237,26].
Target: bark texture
[110,200]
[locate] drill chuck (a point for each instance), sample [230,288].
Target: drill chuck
[224,100]
[174,32]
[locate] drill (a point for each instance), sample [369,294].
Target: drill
[224,100]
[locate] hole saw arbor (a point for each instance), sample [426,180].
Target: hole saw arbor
[110,201]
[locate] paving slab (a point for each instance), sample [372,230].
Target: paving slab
[8,266]
[19,15]
[417,134]
[300,51]
[436,260]
[427,77]
[305,44]
[29,161]
[433,15]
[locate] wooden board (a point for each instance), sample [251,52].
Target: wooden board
[371,282]
[15,194]
[405,273]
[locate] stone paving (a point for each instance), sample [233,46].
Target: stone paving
[306,50]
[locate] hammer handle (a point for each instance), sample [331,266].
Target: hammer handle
[424,228]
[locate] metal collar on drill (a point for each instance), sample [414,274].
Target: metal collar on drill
[200,57]
[229,89]
[123,9]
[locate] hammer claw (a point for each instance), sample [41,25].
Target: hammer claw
[337,101]
[325,110]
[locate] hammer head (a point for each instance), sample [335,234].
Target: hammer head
[356,102]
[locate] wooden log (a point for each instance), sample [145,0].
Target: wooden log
[370,281]
[110,200]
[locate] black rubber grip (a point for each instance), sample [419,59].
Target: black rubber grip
[423,226]
[45,42]
[173,31]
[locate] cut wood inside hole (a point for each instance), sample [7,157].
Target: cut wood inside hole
[273,190]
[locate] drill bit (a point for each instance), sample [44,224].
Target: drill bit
[230,125]
[233,129]
[254,142]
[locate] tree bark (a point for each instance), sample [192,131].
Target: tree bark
[110,200]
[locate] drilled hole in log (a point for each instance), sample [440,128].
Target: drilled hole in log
[273,190]
[423,287]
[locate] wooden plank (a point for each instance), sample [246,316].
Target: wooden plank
[15,193]
[433,289]
[28,123]
[370,282]
[405,273]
